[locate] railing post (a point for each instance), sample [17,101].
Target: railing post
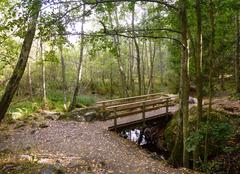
[143,112]
[167,103]
[115,118]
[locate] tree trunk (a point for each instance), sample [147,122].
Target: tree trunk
[64,83]
[143,67]
[131,68]
[210,88]
[44,96]
[161,64]
[30,81]
[184,81]
[111,81]
[152,60]
[118,56]
[198,76]
[79,70]
[22,60]
[237,65]
[137,55]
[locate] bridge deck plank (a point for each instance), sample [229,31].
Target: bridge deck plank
[136,117]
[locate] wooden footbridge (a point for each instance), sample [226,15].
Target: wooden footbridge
[136,110]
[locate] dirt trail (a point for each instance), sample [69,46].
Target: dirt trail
[91,142]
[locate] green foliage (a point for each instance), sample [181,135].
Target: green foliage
[85,100]
[51,56]
[235,96]
[218,134]
[21,110]
[172,81]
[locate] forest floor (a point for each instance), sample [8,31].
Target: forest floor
[77,147]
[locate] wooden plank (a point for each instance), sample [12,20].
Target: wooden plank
[130,98]
[136,122]
[135,105]
[131,113]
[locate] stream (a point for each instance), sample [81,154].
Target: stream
[149,138]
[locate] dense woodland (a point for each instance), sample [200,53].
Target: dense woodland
[65,54]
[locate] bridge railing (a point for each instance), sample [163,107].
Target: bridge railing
[114,109]
[128,109]
[130,99]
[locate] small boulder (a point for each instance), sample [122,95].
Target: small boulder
[43,125]
[192,100]
[90,116]
[19,125]
[50,169]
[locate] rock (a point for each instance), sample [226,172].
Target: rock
[90,116]
[6,168]
[49,117]
[33,131]
[192,100]
[84,172]
[27,148]
[34,125]
[43,125]
[17,115]
[78,115]
[73,164]
[19,125]
[50,169]
[5,151]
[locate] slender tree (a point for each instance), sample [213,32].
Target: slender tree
[184,80]
[43,71]
[30,80]
[210,87]
[19,69]
[79,69]
[138,58]
[198,74]
[237,57]
[64,82]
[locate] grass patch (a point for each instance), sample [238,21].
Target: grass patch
[85,100]
[21,110]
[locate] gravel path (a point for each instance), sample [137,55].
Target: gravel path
[86,141]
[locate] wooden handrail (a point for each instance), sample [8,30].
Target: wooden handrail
[126,114]
[118,110]
[131,98]
[135,105]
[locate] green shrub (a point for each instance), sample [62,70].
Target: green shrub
[23,109]
[85,100]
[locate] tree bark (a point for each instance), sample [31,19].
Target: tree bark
[131,68]
[79,70]
[210,87]
[64,83]
[198,67]
[184,80]
[118,57]
[137,55]
[30,81]
[152,60]
[144,67]
[43,71]
[22,60]
[237,65]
